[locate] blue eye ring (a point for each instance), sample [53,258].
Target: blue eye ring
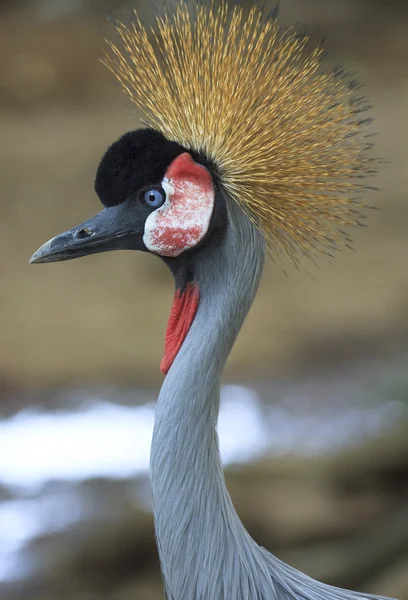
[153,197]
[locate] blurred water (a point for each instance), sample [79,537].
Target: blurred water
[102,439]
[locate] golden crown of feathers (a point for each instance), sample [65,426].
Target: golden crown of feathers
[286,138]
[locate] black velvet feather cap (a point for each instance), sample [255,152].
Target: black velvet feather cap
[137,159]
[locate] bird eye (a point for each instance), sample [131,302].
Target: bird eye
[154,197]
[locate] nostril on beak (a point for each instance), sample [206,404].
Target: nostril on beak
[84,233]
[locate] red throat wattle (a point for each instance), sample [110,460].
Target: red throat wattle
[182,315]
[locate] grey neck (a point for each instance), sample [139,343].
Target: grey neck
[197,529]
[205,552]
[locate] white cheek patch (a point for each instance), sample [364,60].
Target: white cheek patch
[184,218]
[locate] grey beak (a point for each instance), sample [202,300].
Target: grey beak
[108,230]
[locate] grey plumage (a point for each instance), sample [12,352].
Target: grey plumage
[205,552]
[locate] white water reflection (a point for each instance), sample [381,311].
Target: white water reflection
[102,440]
[107,440]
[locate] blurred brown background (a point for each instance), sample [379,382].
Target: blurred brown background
[98,323]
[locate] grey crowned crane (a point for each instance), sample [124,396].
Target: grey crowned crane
[250,146]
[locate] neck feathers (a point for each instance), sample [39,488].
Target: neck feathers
[196,525]
[205,551]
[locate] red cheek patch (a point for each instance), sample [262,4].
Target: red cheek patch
[182,315]
[184,218]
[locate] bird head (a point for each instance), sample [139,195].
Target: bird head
[158,198]
[238,110]
[237,92]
